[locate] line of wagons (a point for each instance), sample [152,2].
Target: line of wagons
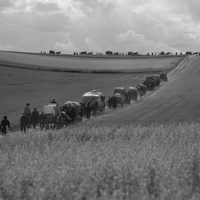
[54,116]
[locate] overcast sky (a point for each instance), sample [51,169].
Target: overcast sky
[100,25]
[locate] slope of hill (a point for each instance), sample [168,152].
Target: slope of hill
[86,64]
[174,102]
[19,86]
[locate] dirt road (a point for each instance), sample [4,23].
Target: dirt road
[176,101]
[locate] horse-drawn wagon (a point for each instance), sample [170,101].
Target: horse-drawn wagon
[95,99]
[119,98]
[163,76]
[73,110]
[120,90]
[49,116]
[133,93]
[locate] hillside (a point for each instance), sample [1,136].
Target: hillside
[19,85]
[88,64]
[174,102]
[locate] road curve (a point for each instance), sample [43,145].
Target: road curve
[176,101]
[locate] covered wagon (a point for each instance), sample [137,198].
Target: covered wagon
[119,98]
[95,99]
[73,109]
[120,90]
[133,93]
[163,76]
[49,116]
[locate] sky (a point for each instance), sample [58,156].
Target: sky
[99,25]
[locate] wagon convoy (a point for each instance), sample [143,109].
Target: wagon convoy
[94,103]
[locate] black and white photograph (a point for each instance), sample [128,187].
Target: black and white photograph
[100,99]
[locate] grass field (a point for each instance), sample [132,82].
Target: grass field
[19,86]
[128,162]
[82,64]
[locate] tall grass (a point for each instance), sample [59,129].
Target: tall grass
[102,162]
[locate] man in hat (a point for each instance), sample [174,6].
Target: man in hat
[4,124]
[27,110]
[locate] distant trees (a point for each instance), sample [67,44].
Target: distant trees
[51,52]
[109,53]
[54,52]
[83,53]
[188,53]
[130,53]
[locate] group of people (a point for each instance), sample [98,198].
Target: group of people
[29,117]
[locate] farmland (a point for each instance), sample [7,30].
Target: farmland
[88,64]
[102,162]
[148,150]
[19,86]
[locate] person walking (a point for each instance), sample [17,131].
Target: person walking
[88,111]
[35,117]
[81,111]
[114,102]
[27,112]
[23,122]
[4,125]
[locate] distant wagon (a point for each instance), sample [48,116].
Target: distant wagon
[157,79]
[120,90]
[120,99]
[141,88]
[96,99]
[163,76]
[133,93]
[152,81]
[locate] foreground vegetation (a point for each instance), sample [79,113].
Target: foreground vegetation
[155,162]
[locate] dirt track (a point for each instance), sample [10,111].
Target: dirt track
[176,101]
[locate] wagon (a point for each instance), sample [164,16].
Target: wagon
[120,90]
[73,109]
[133,93]
[49,116]
[141,88]
[120,99]
[96,99]
[163,76]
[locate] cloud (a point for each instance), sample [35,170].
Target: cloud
[99,25]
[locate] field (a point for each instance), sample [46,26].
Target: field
[176,101]
[102,162]
[19,86]
[86,64]
[148,150]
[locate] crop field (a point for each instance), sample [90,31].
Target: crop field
[81,64]
[102,162]
[113,156]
